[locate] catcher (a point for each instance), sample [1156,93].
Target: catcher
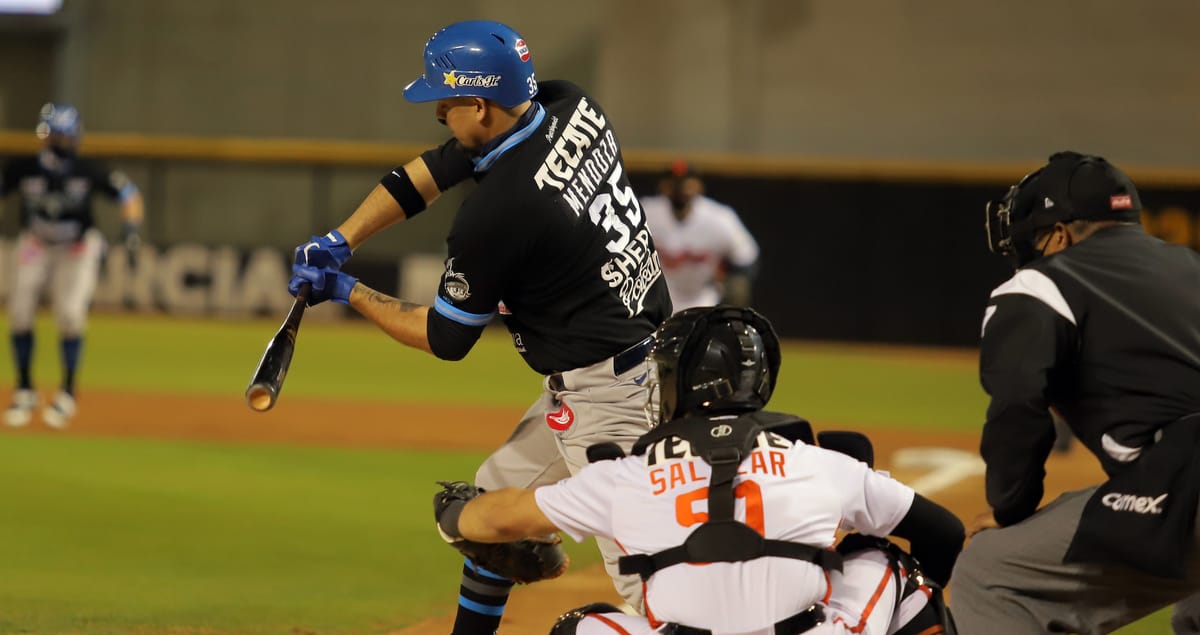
[719,482]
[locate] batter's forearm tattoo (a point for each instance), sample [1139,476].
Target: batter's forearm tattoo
[380,298]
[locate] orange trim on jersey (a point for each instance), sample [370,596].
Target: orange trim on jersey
[654,623]
[862,622]
[646,603]
[828,588]
[933,630]
[613,625]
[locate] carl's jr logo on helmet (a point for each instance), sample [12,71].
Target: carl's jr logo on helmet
[470,79]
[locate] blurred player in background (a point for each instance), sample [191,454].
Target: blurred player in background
[59,244]
[552,238]
[708,255]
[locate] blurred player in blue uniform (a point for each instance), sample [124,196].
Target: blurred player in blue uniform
[58,243]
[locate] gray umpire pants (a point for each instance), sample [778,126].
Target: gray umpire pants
[1013,580]
[603,408]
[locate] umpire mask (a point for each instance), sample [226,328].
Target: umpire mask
[1071,186]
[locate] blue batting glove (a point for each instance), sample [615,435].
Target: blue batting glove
[330,251]
[327,284]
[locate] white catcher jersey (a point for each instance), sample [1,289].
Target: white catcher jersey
[800,493]
[693,250]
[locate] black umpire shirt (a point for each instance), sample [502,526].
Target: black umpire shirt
[56,194]
[1107,332]
[552,238]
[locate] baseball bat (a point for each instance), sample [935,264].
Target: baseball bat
[264,387]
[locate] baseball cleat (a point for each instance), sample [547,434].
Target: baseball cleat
[21,410]
[60,411]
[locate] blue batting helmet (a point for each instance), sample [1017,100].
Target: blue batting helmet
[58,118]
[478,58]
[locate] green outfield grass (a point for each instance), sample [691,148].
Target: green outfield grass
[356,361]
[119,536]
[139,536]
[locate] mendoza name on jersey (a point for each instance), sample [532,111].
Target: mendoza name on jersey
[584,167]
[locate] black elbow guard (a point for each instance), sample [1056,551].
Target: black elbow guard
[400,186]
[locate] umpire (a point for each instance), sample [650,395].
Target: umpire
[1101,322]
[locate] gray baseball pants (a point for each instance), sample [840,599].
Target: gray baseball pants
[73,268]
[1013,580]
[604,408]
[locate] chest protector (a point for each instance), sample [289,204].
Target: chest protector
[724,443]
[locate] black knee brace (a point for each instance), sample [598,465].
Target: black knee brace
[567,622]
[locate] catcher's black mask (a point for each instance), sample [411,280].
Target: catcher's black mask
[715,360]
[1071,186]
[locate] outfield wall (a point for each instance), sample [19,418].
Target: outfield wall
[883,251]
[903,260]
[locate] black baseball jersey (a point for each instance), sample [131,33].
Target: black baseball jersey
[56,195]
[552,238]
[1107,332]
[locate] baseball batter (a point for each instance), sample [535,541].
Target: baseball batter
[707,254]
[552,240]
[58,243]
[716,370]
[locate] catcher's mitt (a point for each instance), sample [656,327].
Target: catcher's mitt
[522,561]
